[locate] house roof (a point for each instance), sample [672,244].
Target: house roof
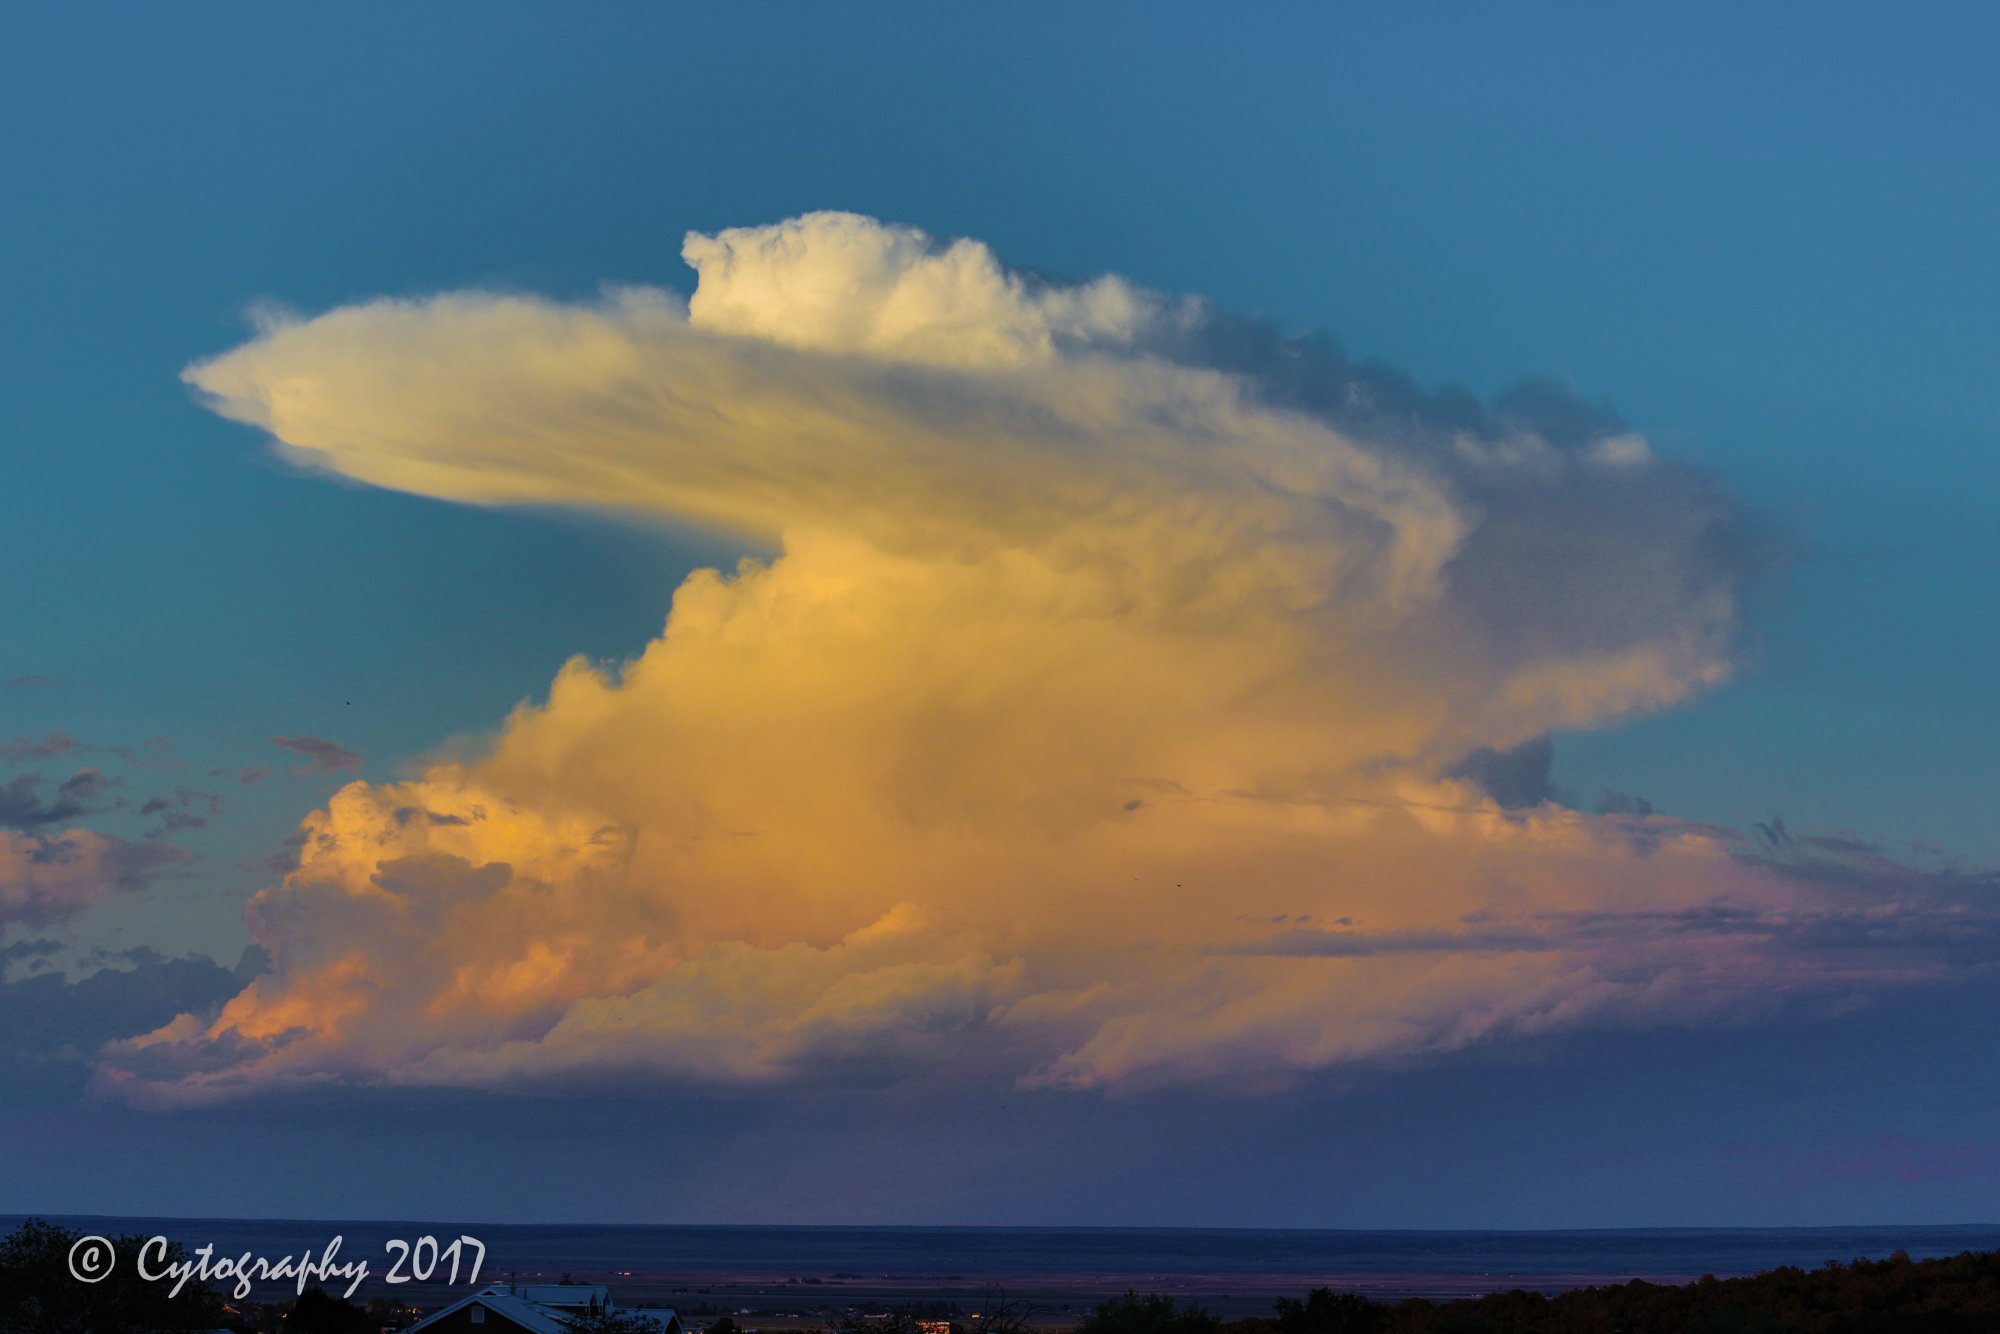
[565,1295]
[544,1317]
[528,1315]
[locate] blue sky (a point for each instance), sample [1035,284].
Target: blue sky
[1765,240]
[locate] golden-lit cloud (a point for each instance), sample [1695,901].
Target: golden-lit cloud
[1087,722]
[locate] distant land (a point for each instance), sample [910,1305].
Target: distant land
[788,1275]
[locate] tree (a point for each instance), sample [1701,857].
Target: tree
[1331,1313]
[604,1320]
[899,1320]
[1000,1314]
[1325,1311]
[384,1313]
[1155,1313]
[317,1311]
[40,1295]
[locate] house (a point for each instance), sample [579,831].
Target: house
[575,1298]
[534,1308]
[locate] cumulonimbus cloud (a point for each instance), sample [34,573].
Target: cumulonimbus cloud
[1089,717]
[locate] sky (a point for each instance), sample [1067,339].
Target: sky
[1039,615]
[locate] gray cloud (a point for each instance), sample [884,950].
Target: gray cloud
[286,859]
[1315,943]
[155,752]
[186,808]
[26,749]
[46,877]
[326,756]
[1622,803]
[82,793]
[51,1026]
[32,950]
[1550,569]
[1879,920]
[1516,778]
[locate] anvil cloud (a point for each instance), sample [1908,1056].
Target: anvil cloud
[1088,718]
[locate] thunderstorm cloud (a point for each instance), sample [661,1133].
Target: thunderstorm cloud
[1133,695]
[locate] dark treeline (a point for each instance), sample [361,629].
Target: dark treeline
[40,1295]
[1944,1296]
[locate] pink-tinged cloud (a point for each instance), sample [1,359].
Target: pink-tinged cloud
[45,877]
[23,749]
[1084,731]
